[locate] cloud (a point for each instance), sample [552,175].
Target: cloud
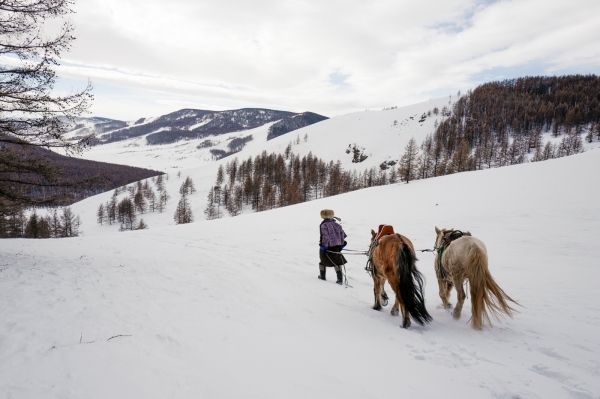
[330,57]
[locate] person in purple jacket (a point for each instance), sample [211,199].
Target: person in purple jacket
[330,245]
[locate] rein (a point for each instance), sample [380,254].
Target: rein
[343,265]
[353,252]
[369,267]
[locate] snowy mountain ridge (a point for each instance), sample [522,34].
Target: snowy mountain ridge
[382,134]
[184,124]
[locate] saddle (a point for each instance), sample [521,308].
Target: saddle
[384,230]
[452,235]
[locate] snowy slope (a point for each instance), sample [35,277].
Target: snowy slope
[232,308]
[374,131]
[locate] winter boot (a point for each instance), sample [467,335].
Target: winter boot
[340,280]
[321,275]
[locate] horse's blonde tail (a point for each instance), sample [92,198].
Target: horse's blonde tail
[486,295]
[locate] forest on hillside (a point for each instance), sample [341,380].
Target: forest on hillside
[497,124]
[501,123]
[73,179]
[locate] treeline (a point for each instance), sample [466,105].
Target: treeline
[497,124]
[235,145]
[273,180]
[16,224]
[141,199]
[72,180]
[501,123]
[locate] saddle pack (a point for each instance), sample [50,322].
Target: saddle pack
[452,235]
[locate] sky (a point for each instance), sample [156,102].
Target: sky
[149,57]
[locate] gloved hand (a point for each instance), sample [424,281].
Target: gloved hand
[323,248]
[343,245]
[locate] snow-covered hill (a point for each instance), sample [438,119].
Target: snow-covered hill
[232,308]
[382,134]
[189,124]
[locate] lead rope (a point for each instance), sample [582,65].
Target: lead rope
[343,265]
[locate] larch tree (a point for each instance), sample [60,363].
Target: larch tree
[32,116]
[408,165]
[183,212]
[101,214]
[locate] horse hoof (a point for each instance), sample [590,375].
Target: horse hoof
[377,307]
[395,312]
[406,324]
[384,302]
[456,314]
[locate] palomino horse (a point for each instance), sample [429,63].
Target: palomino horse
[392,257]
[466,258]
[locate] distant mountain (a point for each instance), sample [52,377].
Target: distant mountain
[294,122]
[192,124]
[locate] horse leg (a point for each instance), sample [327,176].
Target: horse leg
[399,306]
[405,317]
[445,288]
[460,293]
[377,287]
[384,295]
[395,309]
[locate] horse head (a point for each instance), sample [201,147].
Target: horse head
[440,233]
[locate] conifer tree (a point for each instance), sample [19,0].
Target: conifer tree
[160,185]
[183,212]
[220,176]
[409,161]
[112,209]
[164,198]
[70,223]
[210,210]
[101,214]
[127,215]
[151,201]
[461,159]
[32,228]
[55,224]
[235,203]
[140,202]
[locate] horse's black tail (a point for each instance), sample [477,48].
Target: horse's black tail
[410,285]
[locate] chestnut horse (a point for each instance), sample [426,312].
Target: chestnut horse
[466,258]
[392,258]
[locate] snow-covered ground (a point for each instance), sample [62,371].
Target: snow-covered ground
[232,308]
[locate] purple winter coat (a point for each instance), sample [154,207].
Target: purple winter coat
[332,236]
[332,233]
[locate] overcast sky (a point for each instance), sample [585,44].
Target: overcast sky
[151,57]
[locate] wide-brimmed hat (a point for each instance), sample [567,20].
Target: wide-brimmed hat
[327,214]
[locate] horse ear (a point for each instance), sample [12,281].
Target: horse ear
[437,231]
[373,233]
